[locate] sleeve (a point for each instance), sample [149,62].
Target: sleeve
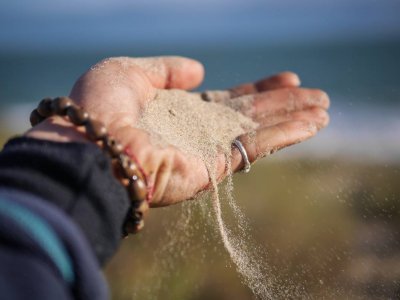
[75,177]
[61,217]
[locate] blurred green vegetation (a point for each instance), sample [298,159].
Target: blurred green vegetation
[6,133]
[317,221]
[330,230]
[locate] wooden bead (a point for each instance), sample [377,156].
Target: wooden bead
[128,169]
[113,147]
[95,130]
[77,115]
[45,108]
[131,170]
[137,190]
[134,226]
[141,207]
[60,105]
[35,118]
[139,226]
[124,160]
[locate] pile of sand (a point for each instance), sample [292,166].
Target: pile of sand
[193,125]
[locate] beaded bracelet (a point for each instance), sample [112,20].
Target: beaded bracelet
[97,132]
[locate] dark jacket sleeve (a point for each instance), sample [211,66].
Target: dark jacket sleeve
[70,188]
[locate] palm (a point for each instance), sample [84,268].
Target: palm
[115,91]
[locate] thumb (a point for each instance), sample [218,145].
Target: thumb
[168,72]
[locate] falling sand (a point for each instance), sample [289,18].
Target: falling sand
[207,129]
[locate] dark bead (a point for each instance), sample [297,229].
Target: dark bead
[124,160]
[118,170]
[45,108]
[95,130]
[135,216]
[60,105]
[137,190]
[113,147]
[140,207]
[132,226]
[35,118]
[131,170]
[139,226]
[77,115]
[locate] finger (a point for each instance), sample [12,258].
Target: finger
[171,71]
[170,175]
[317,115]
[278,102]
[281,80]
[155,163]
[270,139]
[287,100]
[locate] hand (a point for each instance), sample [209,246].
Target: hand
[116,90]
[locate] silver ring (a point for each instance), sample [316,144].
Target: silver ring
[247,165]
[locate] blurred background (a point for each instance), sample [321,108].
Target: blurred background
[327,212]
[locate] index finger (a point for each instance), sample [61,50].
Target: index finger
[278,81]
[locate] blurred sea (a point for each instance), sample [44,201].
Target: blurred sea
[362,79]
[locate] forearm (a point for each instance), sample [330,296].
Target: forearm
[43,253]
[75,177]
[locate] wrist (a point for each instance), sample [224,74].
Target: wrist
[61,120]
[57,129]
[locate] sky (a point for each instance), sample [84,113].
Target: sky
[91,24]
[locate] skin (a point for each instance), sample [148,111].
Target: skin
[287,115]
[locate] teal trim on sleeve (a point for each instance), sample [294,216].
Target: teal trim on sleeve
[42,233]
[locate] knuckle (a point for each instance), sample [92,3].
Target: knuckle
[319,112]
[106,63]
